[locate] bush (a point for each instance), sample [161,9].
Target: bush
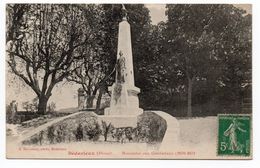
[93,132]
[84,127]
[151,127]
[51,107]
[51,134]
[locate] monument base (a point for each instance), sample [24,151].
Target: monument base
[120,121]
[133,111]
[124,106]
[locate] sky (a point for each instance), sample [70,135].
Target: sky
[157,11]
[246,7]
[65,95]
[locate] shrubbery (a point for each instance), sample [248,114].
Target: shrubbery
[82,127]
[85,127]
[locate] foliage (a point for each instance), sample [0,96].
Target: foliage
[106,129]
[94,132]
[31,106]
[100,57]
[84,127]
[152,127]
[202,57]
[92,73]
[51,107]
[207,45]
[51,134]
[44,45]
[8,114]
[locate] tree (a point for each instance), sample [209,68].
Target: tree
[46,43]
[236,56]
[159,73]
[99,57]
[96,74]
[199,37]
[190,41]
[14,20]
[91,73]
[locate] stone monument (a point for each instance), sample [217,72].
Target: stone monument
[124,103]
[81,98]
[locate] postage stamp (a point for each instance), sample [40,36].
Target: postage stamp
[234,135]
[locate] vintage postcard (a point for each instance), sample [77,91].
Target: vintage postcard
[129,81]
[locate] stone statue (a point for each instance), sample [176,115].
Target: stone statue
[124,12]
[120,68]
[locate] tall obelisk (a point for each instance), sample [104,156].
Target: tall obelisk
[124,104]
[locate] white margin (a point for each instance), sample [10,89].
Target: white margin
[140,163]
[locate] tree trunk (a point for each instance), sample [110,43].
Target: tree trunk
[99,100]
[105,135]
[107,128]
[42,106]
[90,101]
[190,81]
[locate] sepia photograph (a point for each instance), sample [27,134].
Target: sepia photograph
[128,81]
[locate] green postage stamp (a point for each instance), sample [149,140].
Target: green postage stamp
[234,135]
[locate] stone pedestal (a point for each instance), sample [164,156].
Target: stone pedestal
[119,121]
[126,103]
[124,107]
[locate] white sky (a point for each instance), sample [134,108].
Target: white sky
[157,12]
[246,7]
